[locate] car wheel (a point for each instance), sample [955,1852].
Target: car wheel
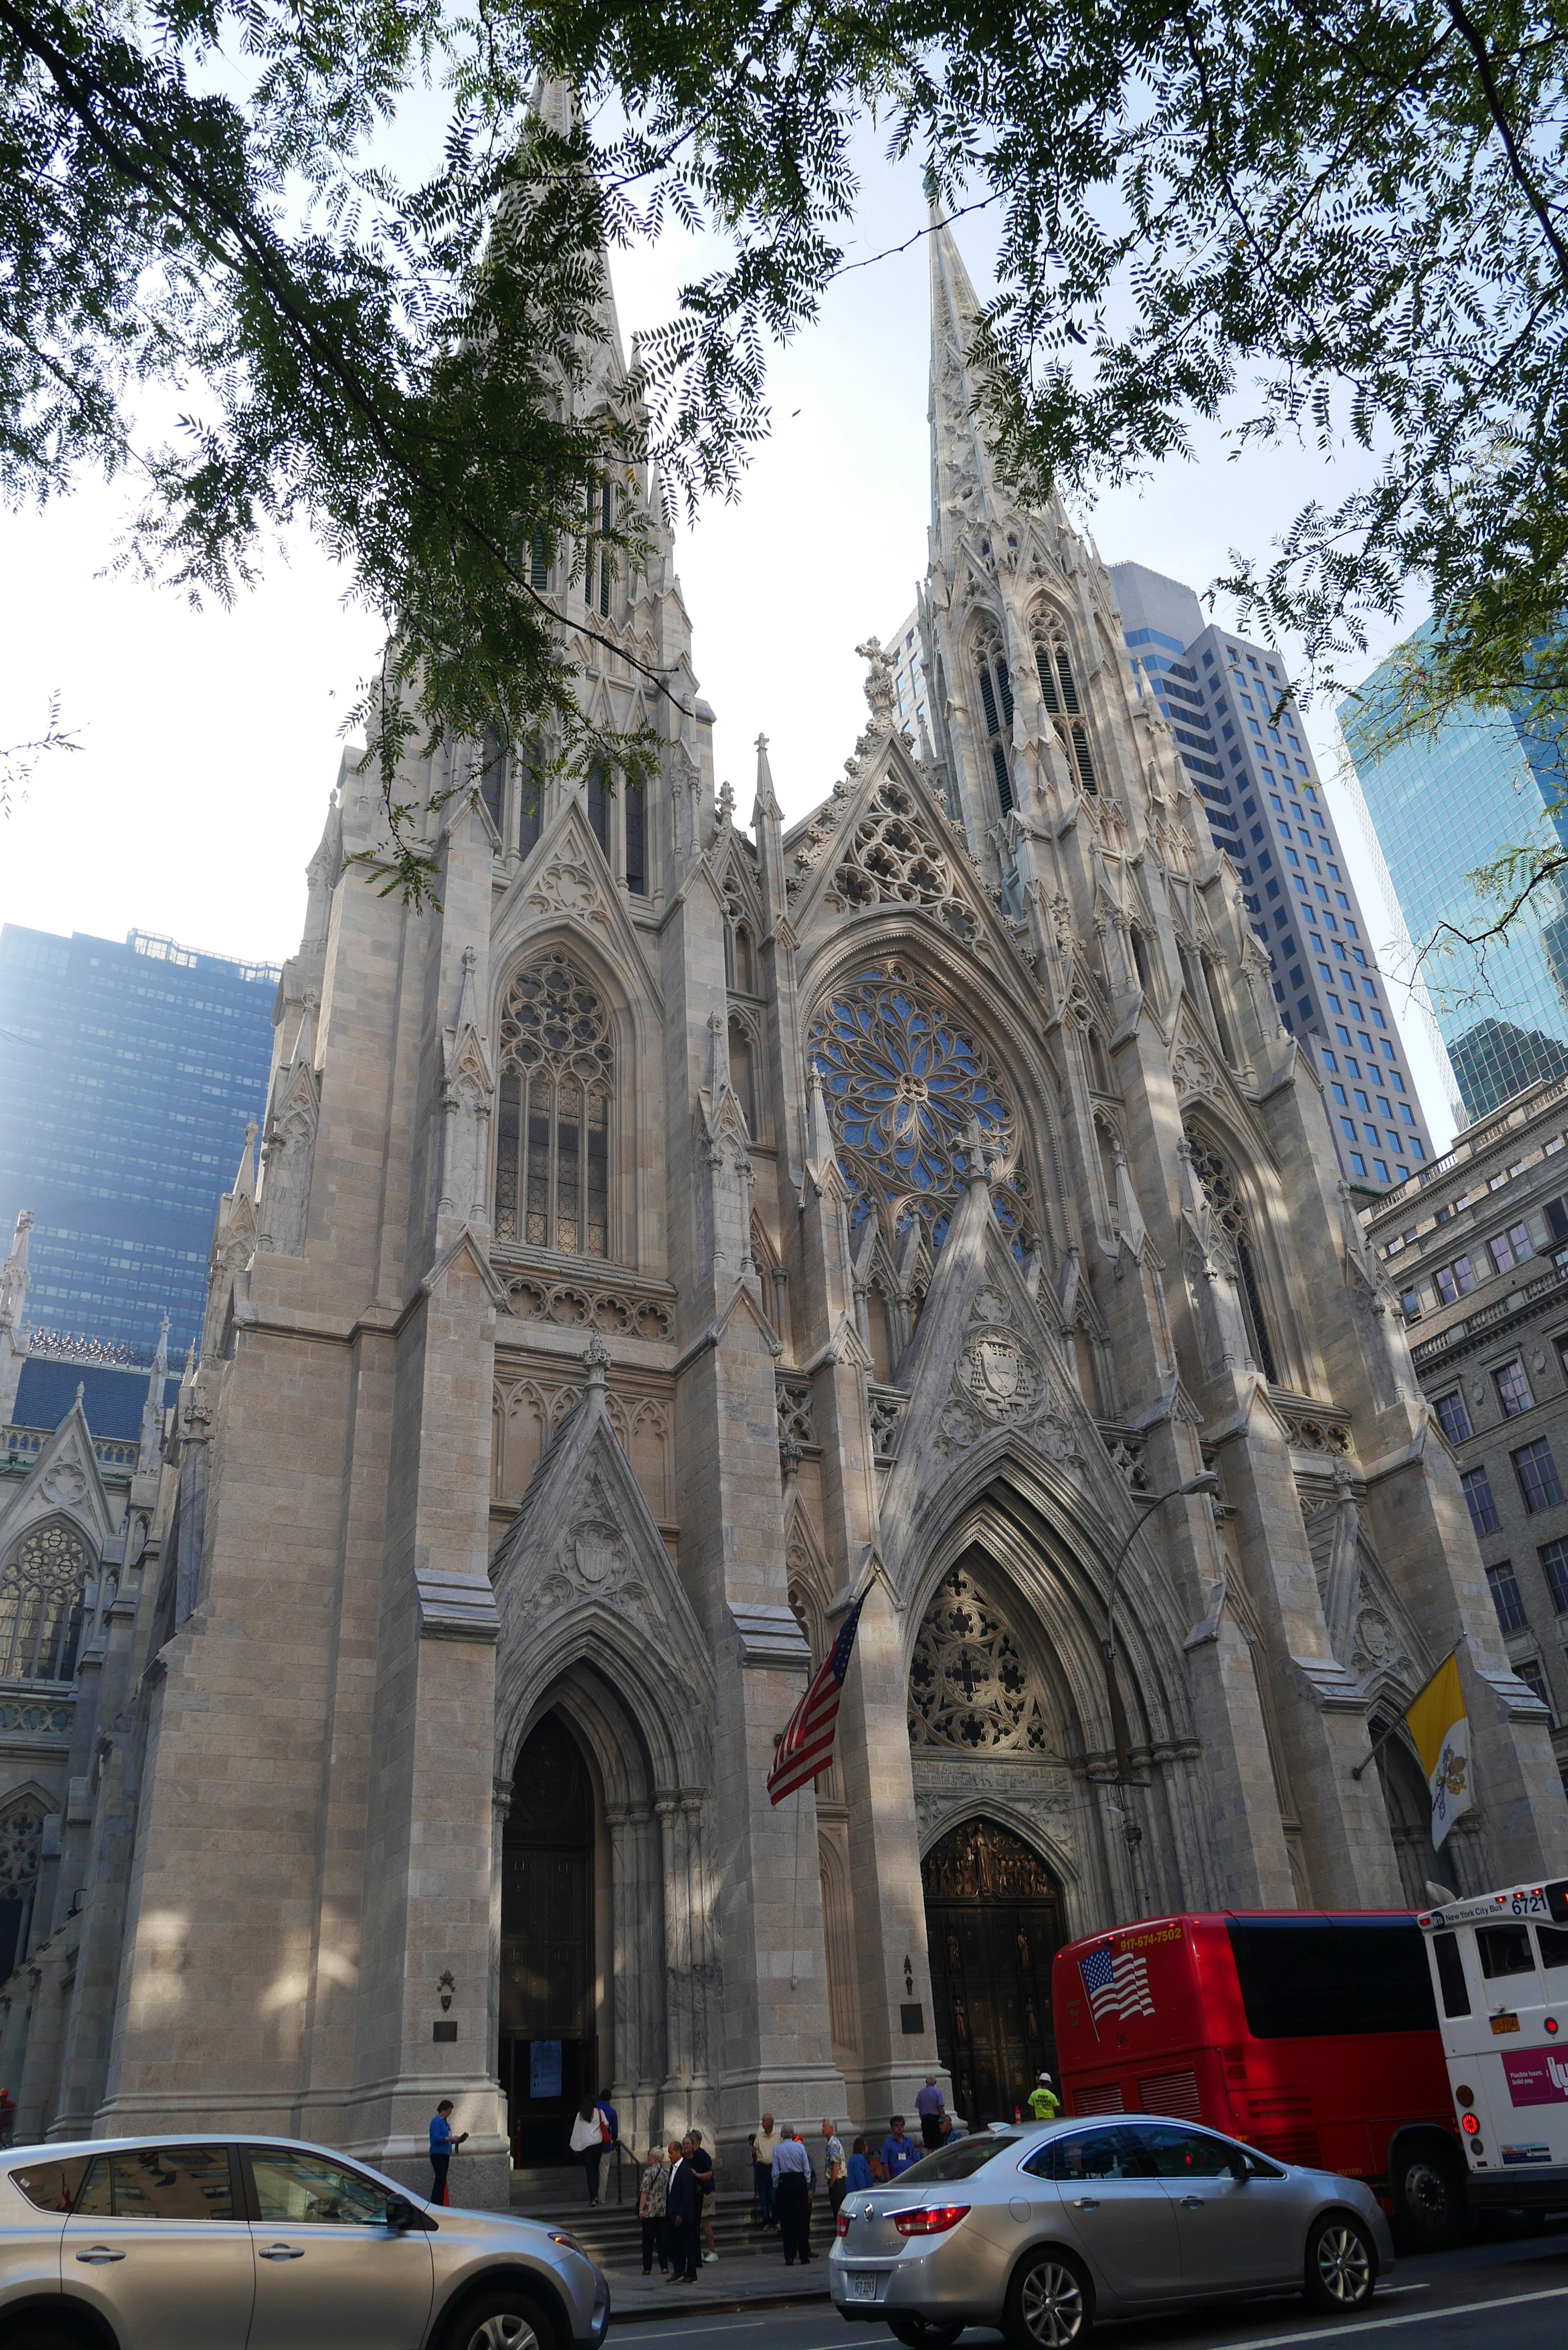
[1049,2304]
[922,2334]
[1428,2199]
[500,2319]
[1341,2265]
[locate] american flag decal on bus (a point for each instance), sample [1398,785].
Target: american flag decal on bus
[1114,1985]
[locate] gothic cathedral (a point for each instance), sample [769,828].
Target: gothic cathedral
[660,1239]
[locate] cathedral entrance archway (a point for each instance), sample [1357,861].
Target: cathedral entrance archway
[993,1924]
[549,2058]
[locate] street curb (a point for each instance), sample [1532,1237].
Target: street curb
[622,2315]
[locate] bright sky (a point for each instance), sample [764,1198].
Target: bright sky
[210,739]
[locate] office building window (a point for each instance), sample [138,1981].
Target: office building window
[1476,1489]
[1512,1388]
[1537,1474]
[1510,1248]
[1506,1597]
[1554,1566]
[1454,1281]
[1452,1418]
[1532,1673]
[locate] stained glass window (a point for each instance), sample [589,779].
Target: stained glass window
[970,1685]
[41,1605]
[558,1068]
[1220,1191]
[904,1083]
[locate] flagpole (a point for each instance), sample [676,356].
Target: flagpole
[1380,1742]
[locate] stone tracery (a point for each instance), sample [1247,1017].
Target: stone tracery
[905,1085]
[41,1605]
[557,1073]
[970,1684]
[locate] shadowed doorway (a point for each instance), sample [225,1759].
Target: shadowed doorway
[993,1924]
[549,2057]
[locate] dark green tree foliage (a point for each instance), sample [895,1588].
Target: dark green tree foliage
[1345,221]
[398,367]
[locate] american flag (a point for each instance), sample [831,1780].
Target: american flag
[1116,1986]
[805,1750]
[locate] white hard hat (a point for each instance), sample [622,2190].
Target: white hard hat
[1044,2076]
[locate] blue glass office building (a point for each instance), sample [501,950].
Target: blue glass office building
[127,1075]
[1240,738]
[1443,807]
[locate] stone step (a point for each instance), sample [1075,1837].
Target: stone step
[613,2232]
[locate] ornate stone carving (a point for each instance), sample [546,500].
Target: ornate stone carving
[1002,1378]
[21,1841]
[886,1412]
[1331,1437]
[65,1484]
[532,1297]
[54,1719]
[904,1087]
[1193,1070]
[570,886]
[1127,1459]
[893,858]
[970,1684]
[796,1425]
[41,1600]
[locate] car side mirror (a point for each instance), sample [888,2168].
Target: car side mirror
[1240,2169]
[400,2212]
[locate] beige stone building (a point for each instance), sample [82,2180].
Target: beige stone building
[655,1241]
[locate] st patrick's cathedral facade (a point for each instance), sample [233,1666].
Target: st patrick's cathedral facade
[661,1237]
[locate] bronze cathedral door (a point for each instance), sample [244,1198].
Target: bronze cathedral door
[993,1921]
[547,2059]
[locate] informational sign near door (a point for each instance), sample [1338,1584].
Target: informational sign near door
[544,2068]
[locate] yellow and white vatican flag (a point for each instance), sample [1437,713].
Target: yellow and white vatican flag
[1437,1722]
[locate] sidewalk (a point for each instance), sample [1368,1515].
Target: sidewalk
[734,2280]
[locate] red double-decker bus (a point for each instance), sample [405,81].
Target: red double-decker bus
[1312,2034]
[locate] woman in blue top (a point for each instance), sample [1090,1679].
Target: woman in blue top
[859,2169]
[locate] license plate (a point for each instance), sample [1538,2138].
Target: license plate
[863,2284]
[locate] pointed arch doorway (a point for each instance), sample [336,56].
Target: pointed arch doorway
[993,1924]
[549,2058]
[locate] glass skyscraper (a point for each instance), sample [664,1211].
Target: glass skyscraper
[1444,806]
[127,1075]
[1241,741]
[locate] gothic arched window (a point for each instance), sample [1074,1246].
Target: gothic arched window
[904,1084]
[1221,1191]
[970,1684]
[1059,691]
[996,707]
[41,1595]
[558,1080]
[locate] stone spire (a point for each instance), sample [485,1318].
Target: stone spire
[151,1448]
[14,1277]
[963,468]
[244,1186]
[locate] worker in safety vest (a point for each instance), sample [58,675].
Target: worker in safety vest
[1043,2101]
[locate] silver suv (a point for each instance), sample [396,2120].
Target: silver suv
[1041,2230]
[212,2243]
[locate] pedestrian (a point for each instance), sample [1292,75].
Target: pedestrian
[763,2141]
[589,2146]
[681,2214]
[860,2165]
[702,2164]
[929,2106]
[835,2167]
[793,2181]
[443,2145]
[898,2153]
[650,2202]
[1043,2101]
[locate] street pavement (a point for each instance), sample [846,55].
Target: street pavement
[1499,2295]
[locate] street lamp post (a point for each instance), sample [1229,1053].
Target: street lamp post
[1206,1483]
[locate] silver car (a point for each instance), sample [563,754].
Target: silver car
[1040,2230]
[213,2243]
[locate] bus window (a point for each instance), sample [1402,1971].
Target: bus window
[1553,1944]
[1505,1951]
[1317,1980]
[1451,1974]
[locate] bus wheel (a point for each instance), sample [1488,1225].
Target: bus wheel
[1428,2197]
[1341,2265]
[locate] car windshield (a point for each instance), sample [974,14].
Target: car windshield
[960,2161]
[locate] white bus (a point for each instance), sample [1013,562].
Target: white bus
[1500,1971]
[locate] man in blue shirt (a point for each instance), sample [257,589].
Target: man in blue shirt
[898,2152]
[443,2145]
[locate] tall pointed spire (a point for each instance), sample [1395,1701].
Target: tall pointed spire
[150,1449]
[14,1276]
[963,470]
[246,1180]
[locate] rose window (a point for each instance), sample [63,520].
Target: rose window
[905,1086]
[969,1685]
